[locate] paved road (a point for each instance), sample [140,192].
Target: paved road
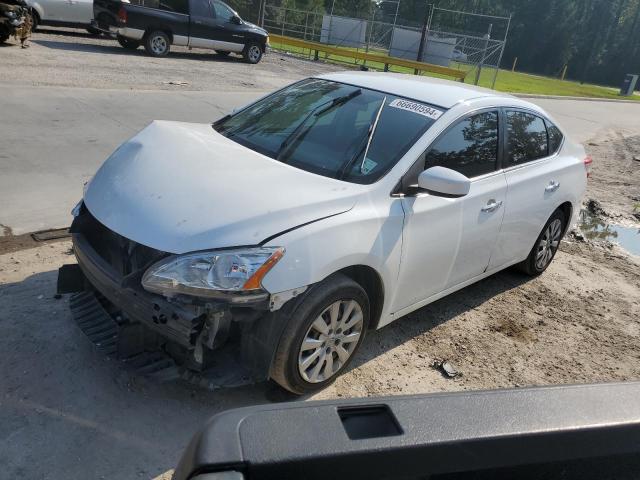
[56,137]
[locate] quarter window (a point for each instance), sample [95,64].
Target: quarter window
[470,147]
[555,138]
[527,138]
[223,12]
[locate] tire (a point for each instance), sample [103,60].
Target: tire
[546,246]
[252,53]
[222,53]
[157,44]
[306,370]
[35,20]
[127,43]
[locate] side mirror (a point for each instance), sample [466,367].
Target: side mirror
[444,182]
[236,19]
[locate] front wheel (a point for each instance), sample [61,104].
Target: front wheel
[546,246]
[157,44]
[252,53]
[127,43]
[322,335]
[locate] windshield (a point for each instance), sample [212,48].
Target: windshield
[332,129]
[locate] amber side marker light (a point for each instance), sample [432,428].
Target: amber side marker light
[255,281]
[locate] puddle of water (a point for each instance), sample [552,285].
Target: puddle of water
[594,228]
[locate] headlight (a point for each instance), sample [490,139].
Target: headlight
[206,274]
[10,14]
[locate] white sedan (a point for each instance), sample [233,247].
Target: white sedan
[334,206]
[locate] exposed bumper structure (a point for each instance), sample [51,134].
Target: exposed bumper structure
[124,320]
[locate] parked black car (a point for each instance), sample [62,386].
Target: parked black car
[157,24]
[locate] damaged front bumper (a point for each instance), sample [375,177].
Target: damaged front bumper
[195,333]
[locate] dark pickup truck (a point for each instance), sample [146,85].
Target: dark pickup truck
[158,24]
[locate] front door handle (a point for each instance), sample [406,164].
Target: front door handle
[491,206]
[552,187]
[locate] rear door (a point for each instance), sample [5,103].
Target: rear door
[54,9]
[537,179]
[447,241]
[79,11]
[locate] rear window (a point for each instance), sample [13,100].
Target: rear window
[527,138]
[327,127]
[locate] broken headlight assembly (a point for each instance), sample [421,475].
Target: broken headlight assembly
[210,274]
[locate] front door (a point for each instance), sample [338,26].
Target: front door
[211,25]
[447,241]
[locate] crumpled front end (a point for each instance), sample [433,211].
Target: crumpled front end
[164,337]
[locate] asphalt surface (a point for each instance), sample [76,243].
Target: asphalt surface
[55,138]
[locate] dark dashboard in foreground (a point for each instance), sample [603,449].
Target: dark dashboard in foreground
[573,432]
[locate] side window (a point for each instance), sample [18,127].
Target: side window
[555,137]
[527,138]
[223,12]
[469,147]
[177,6]
[201,8]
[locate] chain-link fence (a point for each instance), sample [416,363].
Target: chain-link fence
[455,39]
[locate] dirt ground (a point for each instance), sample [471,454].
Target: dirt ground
[73,58]
[66,411]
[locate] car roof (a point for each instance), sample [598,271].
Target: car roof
[435,91]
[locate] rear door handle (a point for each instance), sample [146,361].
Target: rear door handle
[491,206]
[552,187]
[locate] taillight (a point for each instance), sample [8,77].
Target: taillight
[122,15]
[587,165]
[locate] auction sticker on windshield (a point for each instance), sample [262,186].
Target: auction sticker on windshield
[418,108]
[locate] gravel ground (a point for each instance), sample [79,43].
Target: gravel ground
[66,411]
[70,60]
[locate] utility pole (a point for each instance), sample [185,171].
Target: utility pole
[484,53]
[423,36]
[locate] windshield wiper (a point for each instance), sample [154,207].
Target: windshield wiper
[371,132]
[317,111]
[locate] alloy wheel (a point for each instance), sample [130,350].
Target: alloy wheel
[548,244]
[158,45]
[254,53]
[330,341]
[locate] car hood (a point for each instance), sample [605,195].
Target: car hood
[256,28]
[180,187]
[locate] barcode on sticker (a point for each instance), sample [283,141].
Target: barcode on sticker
[418,108]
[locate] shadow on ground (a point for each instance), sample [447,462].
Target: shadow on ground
[118,50]
[82,415]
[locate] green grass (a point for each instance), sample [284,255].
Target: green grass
[508,81]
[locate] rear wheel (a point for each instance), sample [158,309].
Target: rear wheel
[546,245]
[127,42]
[322,335]
[35,20]
[157,44]
[252,53]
